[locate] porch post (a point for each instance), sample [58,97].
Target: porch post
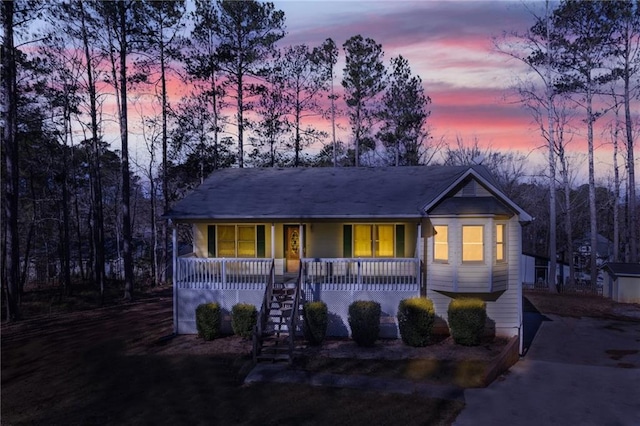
[273,240]
[174,274]
[417,256]
[301,233]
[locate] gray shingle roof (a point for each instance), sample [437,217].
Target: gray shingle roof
[622,269]
[307,193]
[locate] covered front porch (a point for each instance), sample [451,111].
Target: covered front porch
[336,281]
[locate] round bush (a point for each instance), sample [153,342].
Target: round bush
[244,317]
[364,320]
[315,322]
[467,318]
[415,321]
[208,320]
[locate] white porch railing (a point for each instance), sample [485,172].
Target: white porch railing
[369,274]
[222,274]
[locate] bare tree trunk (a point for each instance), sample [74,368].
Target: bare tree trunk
[11,164]
[616,186]
[97,217]
[633,220]
[568,225]
[65,263]
[592,188]
[552,167]
[240,117]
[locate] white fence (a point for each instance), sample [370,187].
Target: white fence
[222,274]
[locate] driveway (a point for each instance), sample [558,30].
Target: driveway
[577,371]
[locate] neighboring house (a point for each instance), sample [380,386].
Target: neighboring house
[623,283]
[534,270]
[380,234]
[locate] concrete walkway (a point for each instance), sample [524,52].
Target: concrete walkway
[578,372]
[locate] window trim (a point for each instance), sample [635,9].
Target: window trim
[374,239]
[482,243]
[236,240]
[446,243]
[501,246]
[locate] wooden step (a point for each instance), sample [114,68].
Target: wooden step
[273,357]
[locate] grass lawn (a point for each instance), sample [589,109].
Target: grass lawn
[112,366]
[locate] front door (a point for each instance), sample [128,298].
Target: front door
[292,247]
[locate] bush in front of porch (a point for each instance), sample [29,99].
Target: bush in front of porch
[244,317]
[315,322]
[208,320]
[364,320]
[416,316]
[467,317]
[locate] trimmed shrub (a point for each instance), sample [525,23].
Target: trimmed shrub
[415,321]
[208,320]
[467,318]
[315,322]
[244,317]
[364,320]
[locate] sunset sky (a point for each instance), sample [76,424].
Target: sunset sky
[449,44]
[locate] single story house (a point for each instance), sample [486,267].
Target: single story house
[381,234]
[623,283]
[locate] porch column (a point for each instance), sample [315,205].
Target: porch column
[174,275]
[301,233]
[273,240]
[417,256]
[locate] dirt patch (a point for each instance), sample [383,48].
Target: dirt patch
[120,365]
[618,354]
[575,305]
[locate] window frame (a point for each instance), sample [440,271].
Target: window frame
[237,241]
[445,243]
[474,243]
[373,240]
[254,240]
[501,245]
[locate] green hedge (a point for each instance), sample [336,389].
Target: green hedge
[315,322]
[364,320]
[415,321]
[244,317]
[467,318]
[208,320]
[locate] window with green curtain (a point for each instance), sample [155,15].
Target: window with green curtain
[472,243]
[441,243]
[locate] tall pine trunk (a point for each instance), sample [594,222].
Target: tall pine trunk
[11,258]
[97,216]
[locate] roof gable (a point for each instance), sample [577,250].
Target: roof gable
[487,198]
